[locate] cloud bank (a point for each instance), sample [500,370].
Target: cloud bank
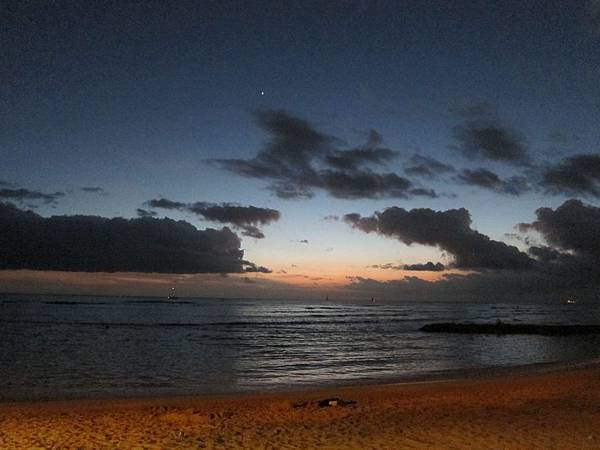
[573,227]
[448,230]
[98,244]
[568,266]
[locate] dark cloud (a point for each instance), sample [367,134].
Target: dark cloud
[427,167]
[544,253]
[291,191]
[367,184]
[287,158]
[572,227]
[482,134]
[352,159]
[424,192]
[487,179]
[428,266]
[98,244]
[92,189]
[164,203]
[145,213]
[387,266]
[489,139]
[572,231]
[252,231]
[234,214]
[369,154]
[247,218]
[252,268]
[579,174]
[449,230]
[5,184]
[22,195]
[298,159]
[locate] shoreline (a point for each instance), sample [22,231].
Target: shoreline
[555,405]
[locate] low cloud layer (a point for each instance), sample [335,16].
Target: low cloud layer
[496,286]
[247,218]
[252,268]
[428,266]
[449,230]
[387,266]
[98,244]
[298,159]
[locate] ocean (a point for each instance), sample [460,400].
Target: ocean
[60,347]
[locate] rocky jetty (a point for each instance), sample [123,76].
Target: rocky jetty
[501,328]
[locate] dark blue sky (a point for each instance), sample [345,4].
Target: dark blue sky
[138,97]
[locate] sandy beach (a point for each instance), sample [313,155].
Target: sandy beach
[551,408]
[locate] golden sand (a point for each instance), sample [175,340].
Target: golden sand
[559,408]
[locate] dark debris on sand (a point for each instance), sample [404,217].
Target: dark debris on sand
[325,403]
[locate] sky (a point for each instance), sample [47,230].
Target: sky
[406,150]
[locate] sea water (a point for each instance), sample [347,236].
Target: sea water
[55,347]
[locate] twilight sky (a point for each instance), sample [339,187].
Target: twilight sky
[409,150]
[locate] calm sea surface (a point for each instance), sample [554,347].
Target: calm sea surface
[71,346]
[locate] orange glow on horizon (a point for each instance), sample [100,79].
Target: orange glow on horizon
[304,278]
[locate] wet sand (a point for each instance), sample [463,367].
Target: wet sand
[550,408]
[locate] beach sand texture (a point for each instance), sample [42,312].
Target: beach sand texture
[558,409]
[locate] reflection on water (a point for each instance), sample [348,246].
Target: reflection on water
[85,346]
